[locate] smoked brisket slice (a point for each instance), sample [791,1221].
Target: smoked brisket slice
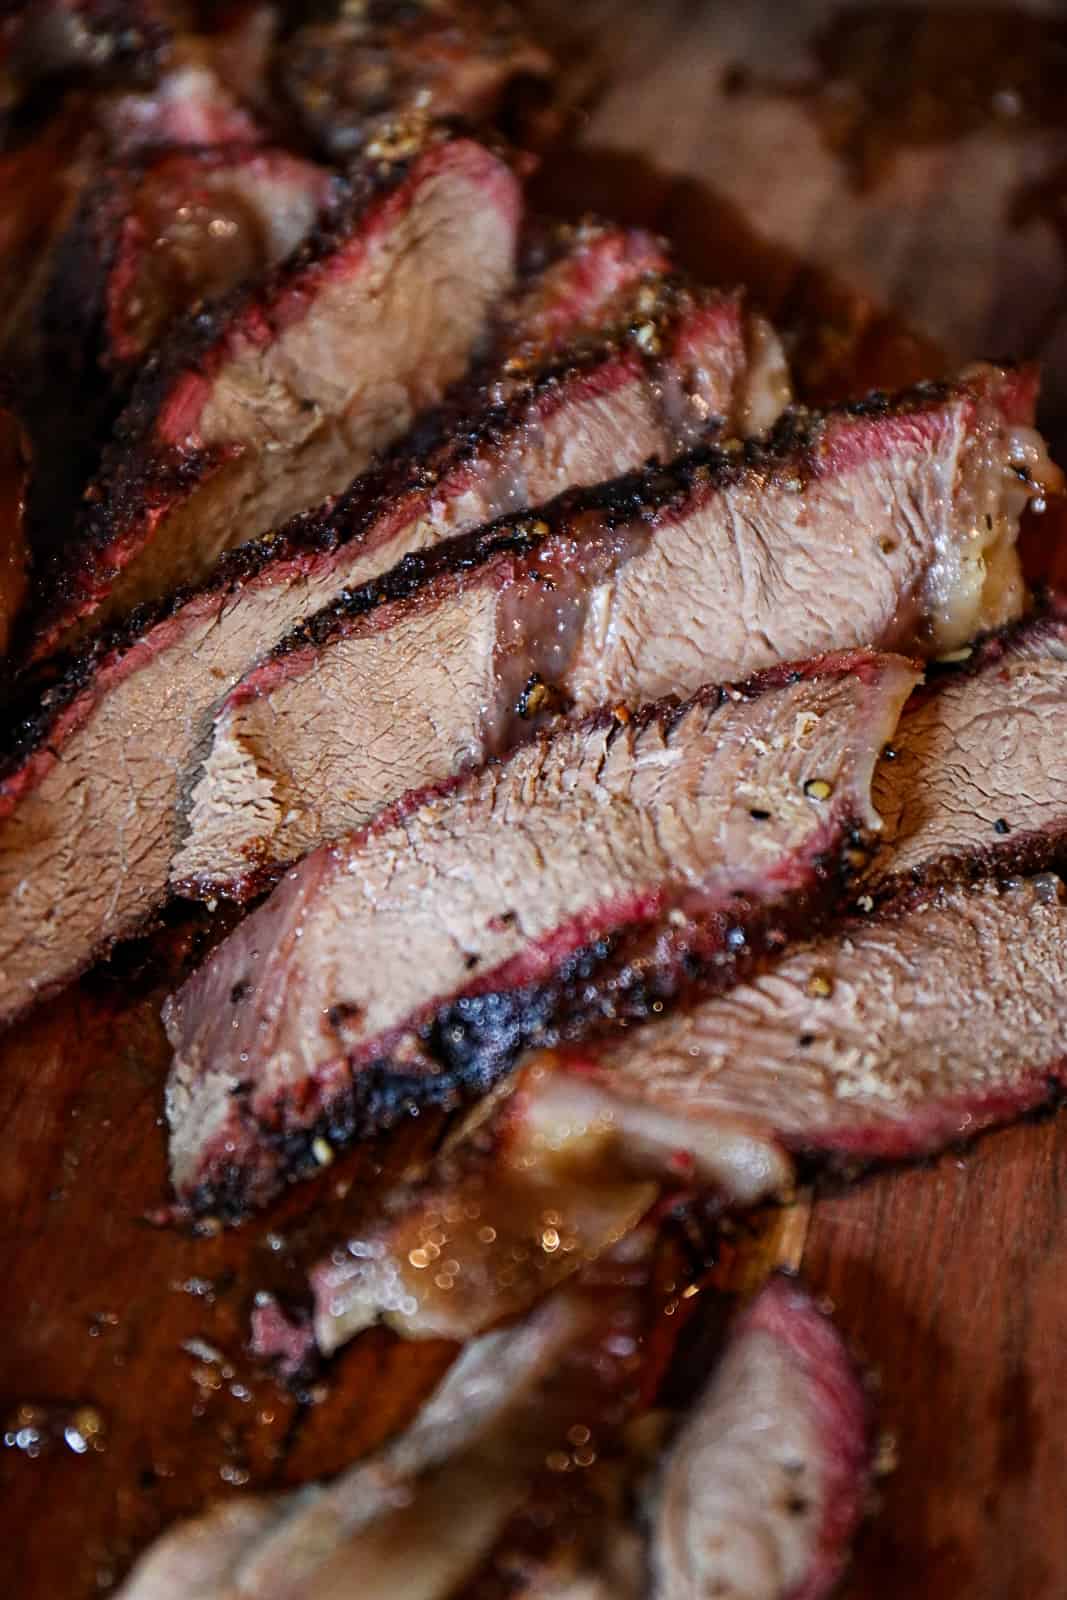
[766,1483]
[918,1024]
[151,240]
[282,397]
[599,872]
[552,1145]
[890,524]
[581,414]
[936,1010]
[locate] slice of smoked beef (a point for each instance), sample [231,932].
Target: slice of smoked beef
[888,1039]
[891,524]
[600,871]
[279,400]
[151,240]
[583,413]
[767,1481]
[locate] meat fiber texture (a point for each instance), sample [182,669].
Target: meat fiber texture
[281,398]
[596,873]
[891,524]
[122,728]
[936,1010]
[933,1013]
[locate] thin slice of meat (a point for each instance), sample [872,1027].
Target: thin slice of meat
[572,273]
[181,229]
[598,872]
[14,550]
[935,1013]
[423,1511]
[419,1517]
[977,776]
[543,1182]
[765,1486]
[116,737]
[151,240]
[284,398]
[905,1032]
[890,524]
[595,874]
[357,78]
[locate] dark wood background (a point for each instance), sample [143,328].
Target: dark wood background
[894,199]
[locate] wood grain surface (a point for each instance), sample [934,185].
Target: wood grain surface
[717,123]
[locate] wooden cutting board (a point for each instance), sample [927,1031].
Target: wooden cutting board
[887,263]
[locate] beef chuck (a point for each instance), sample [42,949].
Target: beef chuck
[281,399]
[582,413]
[352,78]
[892,523]
[597,873]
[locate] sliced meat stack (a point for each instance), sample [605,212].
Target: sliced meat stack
[364,75]
[923,1020]
[531,421]
[934,1014]
[759,1492]
[596,874]
[281,401]
[890,524]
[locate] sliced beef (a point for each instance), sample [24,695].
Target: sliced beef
[421,1515]
[421,1512]
[901,1034]
[282,399]
[180,229]
[892,523]
[364,75]
[596,873]
[150,240]
[976,779]
[580,415]
[766,1484]
[571,274]
[558,1172]
[877,1041]
[934,1012]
